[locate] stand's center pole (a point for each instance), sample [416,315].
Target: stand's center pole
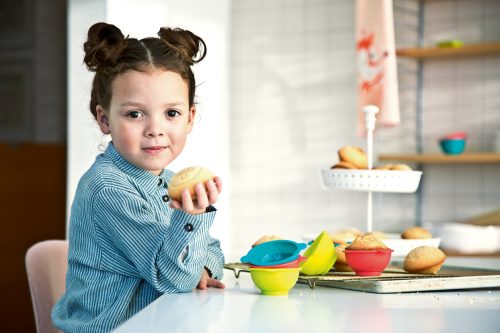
[369,213]
[370,112]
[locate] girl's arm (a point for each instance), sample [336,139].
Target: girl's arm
[215,259]
[170,255]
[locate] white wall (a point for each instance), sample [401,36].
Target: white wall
[293,107]
[208,143]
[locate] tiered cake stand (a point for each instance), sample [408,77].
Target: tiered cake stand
[371,180]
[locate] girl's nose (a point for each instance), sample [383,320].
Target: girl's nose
[154,129]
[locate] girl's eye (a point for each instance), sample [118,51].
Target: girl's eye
[173,113]
[134,114]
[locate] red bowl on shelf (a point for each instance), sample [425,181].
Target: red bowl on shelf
[368,262]
[455,135]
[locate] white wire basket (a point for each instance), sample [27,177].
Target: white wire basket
[396,181]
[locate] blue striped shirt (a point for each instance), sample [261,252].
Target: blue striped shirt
[127,246]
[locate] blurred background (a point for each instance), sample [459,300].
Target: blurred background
[277,99]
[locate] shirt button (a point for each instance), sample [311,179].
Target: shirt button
[160,182]
[165,198]
[188,227]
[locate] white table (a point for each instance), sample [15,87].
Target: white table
[241,308]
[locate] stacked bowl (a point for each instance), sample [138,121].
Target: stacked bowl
[320,256]
[453,143]
[275,265]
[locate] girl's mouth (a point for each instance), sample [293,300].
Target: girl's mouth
[154,150]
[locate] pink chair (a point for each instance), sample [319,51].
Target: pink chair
[46,266]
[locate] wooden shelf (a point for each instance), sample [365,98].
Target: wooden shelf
[439,158]
[454,253]
[450,52]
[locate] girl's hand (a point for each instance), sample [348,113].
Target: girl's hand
[206,281]
[205,196]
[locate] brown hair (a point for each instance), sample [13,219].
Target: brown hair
[109,53]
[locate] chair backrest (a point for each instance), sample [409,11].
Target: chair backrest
[46,266]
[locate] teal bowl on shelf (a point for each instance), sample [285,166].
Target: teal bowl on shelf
[452,146]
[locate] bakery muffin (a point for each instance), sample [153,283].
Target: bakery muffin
[341,262]
[367,242]
[416,233]
[188,178]
[424,260]
[401,167]
[265,238]
[354,155]
[343,165]
[345,235]
[378,234]
[383,167]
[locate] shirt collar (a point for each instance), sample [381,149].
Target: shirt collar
[144,178]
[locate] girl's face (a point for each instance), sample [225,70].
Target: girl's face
[149,117]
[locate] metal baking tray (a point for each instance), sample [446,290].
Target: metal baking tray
[396,280]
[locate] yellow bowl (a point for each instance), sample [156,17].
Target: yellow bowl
[320,256]
[274,281]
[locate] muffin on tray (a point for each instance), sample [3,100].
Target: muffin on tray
[367,242]
[341,263]
[424,260]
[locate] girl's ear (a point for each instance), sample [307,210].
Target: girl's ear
[102,120]
[191,117]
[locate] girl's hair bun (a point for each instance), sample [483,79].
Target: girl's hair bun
[191,47]
[104,45]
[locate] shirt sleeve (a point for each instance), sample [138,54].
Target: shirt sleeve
[215,258]
[135,243]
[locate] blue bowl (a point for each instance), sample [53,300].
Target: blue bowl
[452,146]
[273,253]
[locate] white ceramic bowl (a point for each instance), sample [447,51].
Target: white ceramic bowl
[401,246]
[467,238]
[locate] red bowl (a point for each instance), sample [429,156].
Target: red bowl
[291,264]
[455,135]
[368,262]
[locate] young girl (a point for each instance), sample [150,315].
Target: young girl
[128,242]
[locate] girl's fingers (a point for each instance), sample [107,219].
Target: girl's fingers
[215,283]
[203,284]
[187,202]
[218,184]
[175,204]
[201,196]
[213,192]
[206,195]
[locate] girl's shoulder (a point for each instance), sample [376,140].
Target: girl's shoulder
[104,173]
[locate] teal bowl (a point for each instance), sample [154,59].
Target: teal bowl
[452,146]
[273,253]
